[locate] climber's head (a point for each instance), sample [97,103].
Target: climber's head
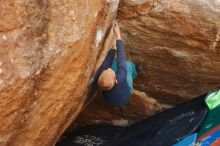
[107,79]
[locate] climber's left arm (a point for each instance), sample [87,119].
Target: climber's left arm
[121,73]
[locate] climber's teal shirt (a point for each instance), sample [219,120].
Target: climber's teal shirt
[125,73]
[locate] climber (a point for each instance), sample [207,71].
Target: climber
[115,77]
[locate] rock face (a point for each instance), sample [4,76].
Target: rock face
[177,42]
[98,111]
[50,49]
[48,52]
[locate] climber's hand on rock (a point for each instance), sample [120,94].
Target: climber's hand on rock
[117,30]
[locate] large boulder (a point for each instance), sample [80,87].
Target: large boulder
[48,52]
[177,43]
[50,49]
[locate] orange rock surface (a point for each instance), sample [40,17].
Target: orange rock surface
[50,49]
[140,106]
[177,42]
[48,52]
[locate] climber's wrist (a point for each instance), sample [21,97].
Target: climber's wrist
[118,36]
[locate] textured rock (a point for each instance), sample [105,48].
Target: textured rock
[98,111]
[48,52]
[177,42]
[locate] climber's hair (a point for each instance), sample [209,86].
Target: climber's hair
[106,81]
